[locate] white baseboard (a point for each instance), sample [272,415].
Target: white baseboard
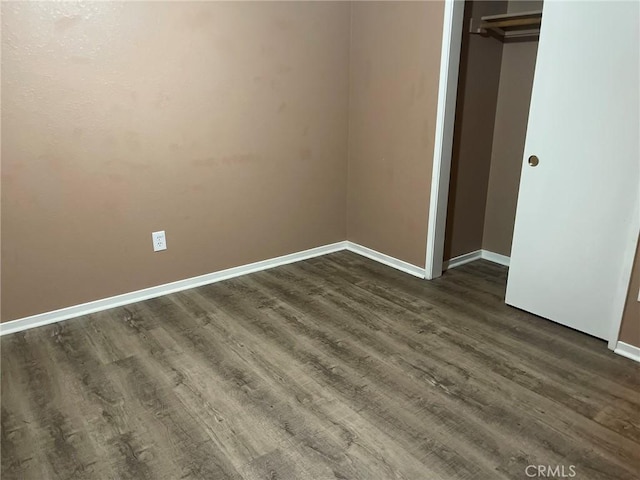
[477,255]
[386,260]
[627,350]
[153,292]
[495,258]
[462,260]
[67,313]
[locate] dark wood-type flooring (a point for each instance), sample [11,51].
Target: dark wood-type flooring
[331,368]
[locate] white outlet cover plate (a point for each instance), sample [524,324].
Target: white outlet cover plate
[159,241]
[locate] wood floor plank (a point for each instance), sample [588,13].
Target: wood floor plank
[279,414]
[315,387]
[332,368]
[496,322]
[470,430]
[44,394]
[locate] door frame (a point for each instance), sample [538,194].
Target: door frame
[445,119]
[443,144]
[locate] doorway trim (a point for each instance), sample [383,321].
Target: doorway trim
[443,144]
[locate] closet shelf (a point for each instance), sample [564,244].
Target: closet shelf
[508,25]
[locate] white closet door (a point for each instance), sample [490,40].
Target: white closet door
[578,208]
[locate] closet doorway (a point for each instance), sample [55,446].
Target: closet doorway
[571,240]
[495,79]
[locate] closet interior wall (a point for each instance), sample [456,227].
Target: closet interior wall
[630,327]
[494,93]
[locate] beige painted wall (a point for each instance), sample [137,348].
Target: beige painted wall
[512,114]
[480,61]
[395,58]
[630,328]
[224,124]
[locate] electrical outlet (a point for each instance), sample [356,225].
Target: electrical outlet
[159,241]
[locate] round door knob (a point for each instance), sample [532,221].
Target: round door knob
[533,160]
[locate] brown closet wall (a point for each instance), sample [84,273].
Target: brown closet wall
[510,128]
[478,84]
[630,329]
[494,93]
